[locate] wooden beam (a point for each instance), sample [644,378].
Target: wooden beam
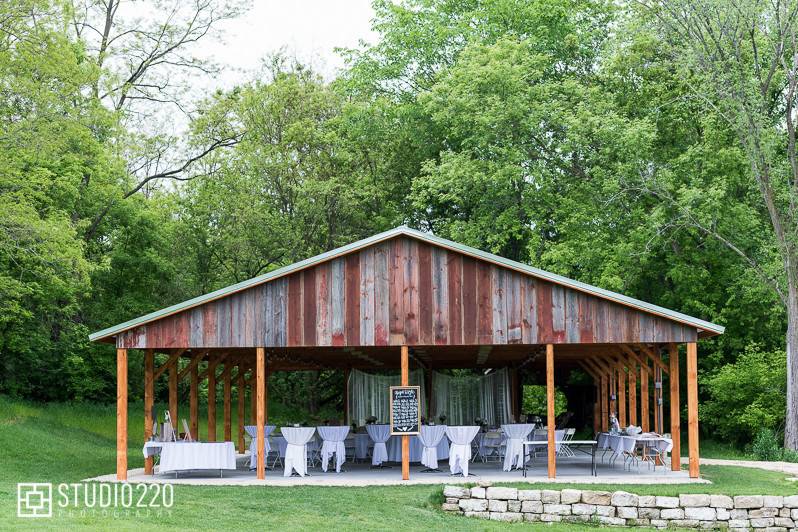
[121,414]
[405,439]
[692,408]
[550,418]
[260,369]
[621,371]
[149,399]
[605,390]
[211,372]
[676,451]
[589,371]
[658,400]
[195,359]
[228,392]
[213,362]
[168,364]
[173,413]
[640,360]
[241,388]
[654,356]
[193,406]
[632,376]
[644,395]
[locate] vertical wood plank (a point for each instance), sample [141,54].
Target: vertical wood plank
[308,307]
[426,288]
[260,370]
[241,392]
[121,414]
[405,376]
[632,393]
[323,325]
[529,323]
[440,289]
[173,394]
[193,402]
[544,312]
[469,289]
[338,301]
[586,306]
[454,274]
[294,315]
[396,296]
[558,312]
[550,418]
[382,291]
[498,278]
[227,390]
[513,306]
[410,290]
[280,304]
[645,411]
[352,299]
[572,330]
[605,392]
[673,375]
[367,296]
[196,325]
[621,399]
[211,399]
[149,398]
[692,408]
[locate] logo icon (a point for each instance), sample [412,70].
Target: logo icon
[34,499]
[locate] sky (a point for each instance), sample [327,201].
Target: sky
[307,29]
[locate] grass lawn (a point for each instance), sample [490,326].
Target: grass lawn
[66,443]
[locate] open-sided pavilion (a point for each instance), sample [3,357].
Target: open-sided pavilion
[407,297]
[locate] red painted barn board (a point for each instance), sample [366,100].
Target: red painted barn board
[405,291]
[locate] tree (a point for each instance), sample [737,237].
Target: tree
[741,61]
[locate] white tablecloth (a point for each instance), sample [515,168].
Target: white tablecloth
[151,448]
[394,448]
[460,451]
[333,443]
[516,435]
[362,443]
[431,437]
[252,430]
[296,453]
[379,434]
[185,456]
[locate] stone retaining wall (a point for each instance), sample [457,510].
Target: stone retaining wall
[619,508]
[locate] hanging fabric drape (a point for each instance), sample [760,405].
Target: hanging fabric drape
[369,394]
[464,398]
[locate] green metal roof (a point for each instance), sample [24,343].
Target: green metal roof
[704,326]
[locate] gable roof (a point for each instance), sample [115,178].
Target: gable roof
[705,328]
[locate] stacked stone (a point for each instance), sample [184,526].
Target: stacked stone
[619,508]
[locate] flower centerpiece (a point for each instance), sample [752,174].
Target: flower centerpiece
[442,418]
[483,423]
[371,420]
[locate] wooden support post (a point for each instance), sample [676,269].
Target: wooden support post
[346,396]
[193,405]
[405,363]
[597,410]
[121,414]
[632,393]
[242,393]
[173,396]
[692,407]
[253,399]
[514,397]
[149,398]
[212,361]
[658,428]
[605,391]
[621,395]
[260,369]
[644,409]
[613,393]
[550,421]
[676,451]
[228,392]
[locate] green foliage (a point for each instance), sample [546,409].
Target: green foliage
[534,400]
[747,396]
[766,445]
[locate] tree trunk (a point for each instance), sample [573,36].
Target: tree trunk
[791,425]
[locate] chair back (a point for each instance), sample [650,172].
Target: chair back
[188,436]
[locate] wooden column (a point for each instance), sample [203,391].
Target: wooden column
[253,399]
[173,396]
[658,400]
[405,363]
[228,392]
[193,405]
[613,380]
[644,409]
[632,393]
[692,407]
[605,392]
[621,395]
[241,389]
[260,370]
[346,397]
[673,374]
[550,410]
[121,414]
[597,409]
[514,391]
[149,397]
[212,399]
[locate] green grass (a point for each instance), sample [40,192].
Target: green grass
[66,443]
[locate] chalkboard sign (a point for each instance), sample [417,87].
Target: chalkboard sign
[405,410]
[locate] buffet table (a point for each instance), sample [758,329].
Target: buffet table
[190,456]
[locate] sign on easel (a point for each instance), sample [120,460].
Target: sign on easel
[405,410]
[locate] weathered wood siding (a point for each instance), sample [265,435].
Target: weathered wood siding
[404,291]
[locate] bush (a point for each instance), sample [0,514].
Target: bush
[535,400]
[766,446]
[747,396]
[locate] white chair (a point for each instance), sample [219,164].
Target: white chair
[460,449]
[516,433]
[490,445]
[278,447]
[333,443]
[430,437]
[186,431]
[379,434]
[296,452]
[567,436]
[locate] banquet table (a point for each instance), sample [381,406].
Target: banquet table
[514,453]
[620,443]
[394,446]
[379,434]
[187,456]
[431,437]
[362,444]
[460,451]
[296,452]
[252,430]
[333,443]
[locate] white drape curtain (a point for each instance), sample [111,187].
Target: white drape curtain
[463,398]
[368,394]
